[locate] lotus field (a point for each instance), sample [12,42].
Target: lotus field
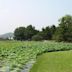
[15,54]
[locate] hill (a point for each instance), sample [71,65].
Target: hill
[7,35]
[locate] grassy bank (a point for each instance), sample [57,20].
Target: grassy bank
[54,62]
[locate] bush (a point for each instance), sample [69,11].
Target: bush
[37,38]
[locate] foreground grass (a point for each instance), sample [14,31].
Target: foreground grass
[54,62]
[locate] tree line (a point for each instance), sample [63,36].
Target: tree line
[63,32]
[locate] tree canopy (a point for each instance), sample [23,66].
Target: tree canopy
[23,33]
[64,31]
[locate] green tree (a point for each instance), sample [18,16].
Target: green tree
[19,33]
[53,29]
[46,33]
[30,31]
[64,31]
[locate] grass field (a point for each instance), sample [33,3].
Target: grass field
[54,62]
[15,54]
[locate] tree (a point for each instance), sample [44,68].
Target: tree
[30,31]
[23,33]
[19,33]
[46,33]
[64,31]
[53,29]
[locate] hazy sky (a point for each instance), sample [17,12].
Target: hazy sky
[39,13]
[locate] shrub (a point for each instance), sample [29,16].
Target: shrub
[37,38]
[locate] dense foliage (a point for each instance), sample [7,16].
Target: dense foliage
[19,33]
[15,54]
[30,33]
[23,33]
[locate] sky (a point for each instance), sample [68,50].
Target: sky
[39,13]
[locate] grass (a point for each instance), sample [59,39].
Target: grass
[54,62]
[15,54]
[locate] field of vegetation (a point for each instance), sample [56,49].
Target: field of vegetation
[15,54]
[54,62]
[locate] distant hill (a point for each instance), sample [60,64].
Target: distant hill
[7,35]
